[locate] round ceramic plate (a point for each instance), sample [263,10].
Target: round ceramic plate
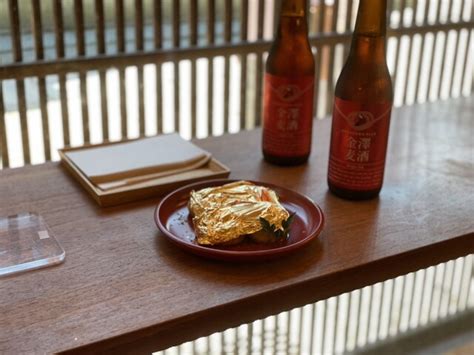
[173,219]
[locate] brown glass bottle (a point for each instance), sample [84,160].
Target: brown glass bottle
[362,107]
[288,90]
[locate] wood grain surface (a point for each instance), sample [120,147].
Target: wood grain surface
[123,288]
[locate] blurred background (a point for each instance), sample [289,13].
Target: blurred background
[207,57]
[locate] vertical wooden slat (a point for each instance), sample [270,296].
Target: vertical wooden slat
[335,326]
[289,322]
[311,333]
[350,8]
[263,335]
[409,55]
[243,62]
[443,287]
[120,23]
[466,54]
[433,49]
[317,78]
[451,287]
[453,68]
[300,330]
[139,48]
[208,344]
[471,281]
[324,323]
[276,331]
[369,314]
[379,318]
[422,294]
[79,19]
[420,274]
[335,14]
[236,340]
[59,44]
[324,52]
[318,60]
[450,12]
[430,293]
[276,14]
[392,303]
[100,38]
[58,27]
[193,20]
[120,28]
[211,17]
[444,51]
[81,51]
[464,77]
[223,344]
[433,286]
[176,43]
[158,43]
[469,278]
[348,26]
[3,133]
[399,40]
[139,25]
[332,49]
[249,338]
[322,16]
[438,12]
[320,72]
[359,304]
[461,278]
[20,84]
[312,17]
[260,66]
[422,49]
[412,295]
[38,40]
[100,26]
[346,328]
[227,39]
[400,308]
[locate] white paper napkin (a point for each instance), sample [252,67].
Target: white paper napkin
[125,163]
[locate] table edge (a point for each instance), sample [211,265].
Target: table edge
[167,334]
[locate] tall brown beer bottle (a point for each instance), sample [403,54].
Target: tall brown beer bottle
[288,89]
[362,107]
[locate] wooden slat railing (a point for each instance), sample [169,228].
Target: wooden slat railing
[352,321]
[418,74]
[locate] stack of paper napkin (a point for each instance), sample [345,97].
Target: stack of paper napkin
[122,164]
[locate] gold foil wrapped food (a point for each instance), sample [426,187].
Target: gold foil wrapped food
[225,213]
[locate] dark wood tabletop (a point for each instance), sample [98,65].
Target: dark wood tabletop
[124,288]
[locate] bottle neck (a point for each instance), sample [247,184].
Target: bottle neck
[371,18]
[293,8]
[292,21]
[368,41]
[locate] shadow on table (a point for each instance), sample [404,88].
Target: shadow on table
[238,273]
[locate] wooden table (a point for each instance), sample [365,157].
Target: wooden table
[124,288]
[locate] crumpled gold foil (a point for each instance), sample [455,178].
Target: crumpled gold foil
[224,213]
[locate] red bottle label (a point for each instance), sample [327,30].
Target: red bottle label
[358,144]
[287,115]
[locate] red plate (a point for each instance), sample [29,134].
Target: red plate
[172,218]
